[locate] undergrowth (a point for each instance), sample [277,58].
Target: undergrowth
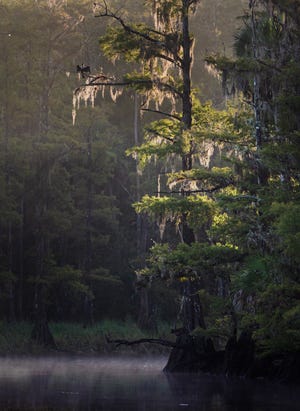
[74,338]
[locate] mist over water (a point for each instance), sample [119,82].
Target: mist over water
[118,383]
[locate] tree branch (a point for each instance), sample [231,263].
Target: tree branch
[161,112]
[158,341]
[201,190]
[127,28]
[107,13]
[170,59]
[108,81]
[150,130]
[271,66]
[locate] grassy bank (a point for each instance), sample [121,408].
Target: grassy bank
[74,338]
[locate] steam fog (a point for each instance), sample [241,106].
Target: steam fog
[133,383]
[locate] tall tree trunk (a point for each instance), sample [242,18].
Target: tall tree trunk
[7,109]
[145,319]
[262,172]
[137,177]
[21,260]
[88,302]
[187,160]
[12,312]
[41,333]
[192,308]
[186,75]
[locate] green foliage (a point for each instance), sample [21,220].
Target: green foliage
[65,191]
[254,276]
[278,318]
[146,152]
[209,180]
[68,281]
[219,330]
[120,43]
[59,216]
[190,261]
[198,210]
[230,125]
[14,338]
[287,228]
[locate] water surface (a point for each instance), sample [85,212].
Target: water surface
[129,384]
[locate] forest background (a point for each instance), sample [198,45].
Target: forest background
[71,242]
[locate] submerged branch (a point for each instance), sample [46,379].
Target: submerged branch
[159,341]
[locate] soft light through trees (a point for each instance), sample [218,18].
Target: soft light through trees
[47,269]
[162,56]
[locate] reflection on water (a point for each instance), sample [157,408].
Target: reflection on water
[136,384]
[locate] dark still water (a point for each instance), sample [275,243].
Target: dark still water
[123,384]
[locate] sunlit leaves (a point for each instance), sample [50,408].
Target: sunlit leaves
[117,43]
[231,126]
[206,180]
[161,141]
[225,129]
[198,210]
[189,261]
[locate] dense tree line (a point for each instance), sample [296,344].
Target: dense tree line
[266,72]
[69,236]
[61,186]
[220,202]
